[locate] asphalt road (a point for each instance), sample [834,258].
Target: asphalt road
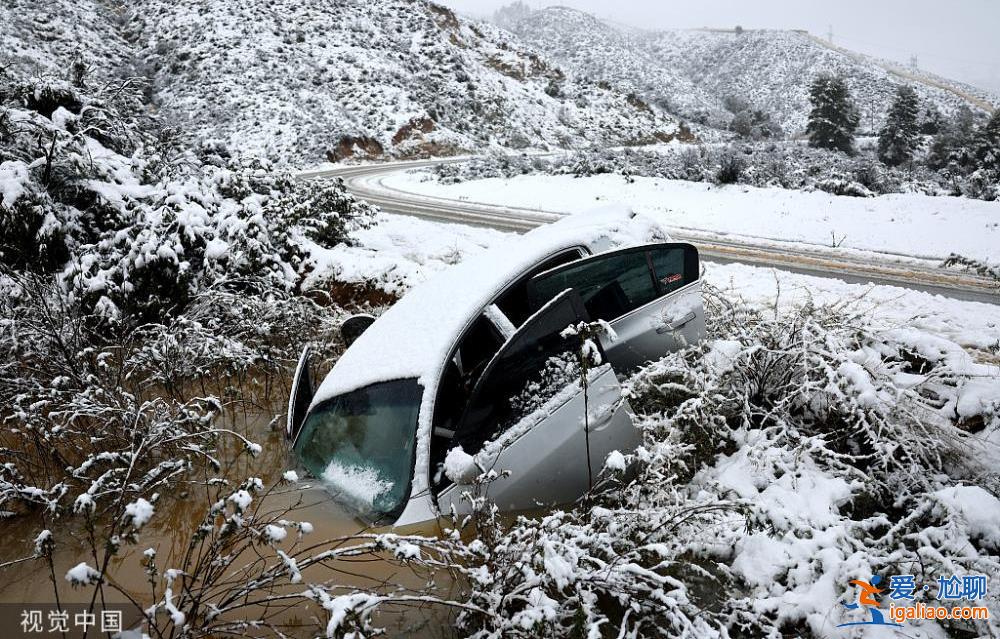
[364,181]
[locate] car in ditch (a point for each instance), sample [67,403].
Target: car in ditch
[477,357]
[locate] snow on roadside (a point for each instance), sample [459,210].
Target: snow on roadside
[908,224]
[971,324]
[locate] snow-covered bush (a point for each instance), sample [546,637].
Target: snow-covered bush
[785,164]
[839,185]
[792,451]
[731,166]
[134,227]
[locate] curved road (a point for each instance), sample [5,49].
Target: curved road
[365,182]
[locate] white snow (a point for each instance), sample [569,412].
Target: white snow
[615,461]
[176,615]
[43,540]
[295,576]
[13,176]
[979,509]
[406,550]
[358,483]
[82,575]
[460,467]
[140,511]
[908,224]
[340,607]
[399,252]
[83,502]
[274,534]
[241,499]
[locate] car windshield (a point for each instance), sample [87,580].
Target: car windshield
[361,445]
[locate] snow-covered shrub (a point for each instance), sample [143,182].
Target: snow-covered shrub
[786,164]
[794,450]
[868,423]
[982,184]
[731,167]
[985,268]
[134,227]
[843,186]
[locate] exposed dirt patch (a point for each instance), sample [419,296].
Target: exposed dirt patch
[354,297]
[413,129]
[354,146]
[638,103]
[443,16]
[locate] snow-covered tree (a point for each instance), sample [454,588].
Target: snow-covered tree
[899,137]
[987,144]
[833,118]
[749,122]
[952,146]
[931,121]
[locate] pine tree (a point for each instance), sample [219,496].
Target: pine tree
[952,147]
[899,137]
[931,122]
[988,144]
[834,118]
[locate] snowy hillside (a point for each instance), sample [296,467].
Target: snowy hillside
[306,79]
[693,72]
[772,70]
[49,41]
[620,57]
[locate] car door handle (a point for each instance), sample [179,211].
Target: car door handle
[673,326]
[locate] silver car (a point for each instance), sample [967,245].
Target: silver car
[475,357]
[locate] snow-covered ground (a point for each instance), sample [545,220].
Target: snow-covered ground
[904,224]
[402,251]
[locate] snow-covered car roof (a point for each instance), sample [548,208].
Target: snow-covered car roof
[415,336]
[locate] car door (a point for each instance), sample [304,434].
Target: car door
[524,419]
[650,295]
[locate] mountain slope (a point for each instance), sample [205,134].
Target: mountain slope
[37,40]
[303,79]
[693,72]
[618,56]
[772,69]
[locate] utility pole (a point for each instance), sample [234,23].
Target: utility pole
[829,33]
[913,62]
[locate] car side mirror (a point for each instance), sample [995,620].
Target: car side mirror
[354,326]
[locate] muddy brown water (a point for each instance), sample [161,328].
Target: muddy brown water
[178,515]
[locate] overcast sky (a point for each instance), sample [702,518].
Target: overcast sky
[959,39]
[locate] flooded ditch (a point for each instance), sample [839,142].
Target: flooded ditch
[180,512]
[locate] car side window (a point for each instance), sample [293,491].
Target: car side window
[674,267]
[610,287]
[514,301]
[475,350]
[617,283]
